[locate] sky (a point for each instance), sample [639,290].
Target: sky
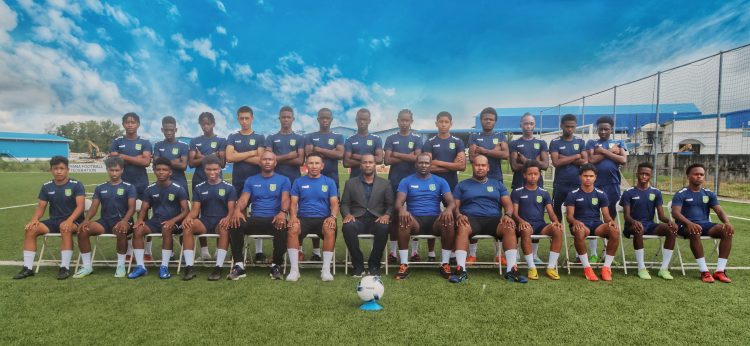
[66,61]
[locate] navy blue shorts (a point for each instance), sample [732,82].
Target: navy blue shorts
[591,225]
[155,226]
[426,224]
[538,227]
[210,222]
[54,224]
[109,225]
[705,227]
[649,228]
[482,225]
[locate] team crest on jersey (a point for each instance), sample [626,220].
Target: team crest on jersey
[705,198]
[222,192]
[68,192]
[432,187]
[170,197]
[595,201]
[120,191]
[490,188]
[292,142]
[536,146]
[651,196]
[272,187]
[330,141]
[369,142]
[138,146]
[175,151]
[539,199]
[324,188]
[411,145]
[495,141]
[213,145]
[452,146]
[576,146]
[252,142]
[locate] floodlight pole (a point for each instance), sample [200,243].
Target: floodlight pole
[654,146]
[718,123]
[614,111]
[671,166]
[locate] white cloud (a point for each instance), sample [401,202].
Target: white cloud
[224,66]
[235,41]
[193,75]
[94,52]
[377,43]
[202,46]
[242,72]
[220,6]
[7,22]
[102,33]
[221,30]
[149,33]
[120,16]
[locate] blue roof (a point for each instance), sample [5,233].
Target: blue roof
[599,110]
[44,137]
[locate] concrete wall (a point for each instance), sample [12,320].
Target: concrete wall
[733,168]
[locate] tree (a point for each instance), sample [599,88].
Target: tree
[80,132]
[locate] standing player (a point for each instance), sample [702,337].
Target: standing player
[268,193]
[585,208]
[213,203]
[174,150]
[691,207]
[638,204]
[313,209]
[423,192]
[361,143]
[117,199]
[401,150]
[492,145]
[288,146]
[66,199]
[568,152]
[529,204]
[169,204]
[478,200]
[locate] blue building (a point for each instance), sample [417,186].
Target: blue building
[20,146]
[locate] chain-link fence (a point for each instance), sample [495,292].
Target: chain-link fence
[698,112]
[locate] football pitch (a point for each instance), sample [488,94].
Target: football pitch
[425,309]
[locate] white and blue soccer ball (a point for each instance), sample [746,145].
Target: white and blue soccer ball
[370,288]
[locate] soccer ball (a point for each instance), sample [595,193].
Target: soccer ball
[369,288]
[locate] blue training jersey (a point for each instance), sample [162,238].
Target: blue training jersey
[587,204]
[206,146]
[696,205]
[314,195]
[362,145]
[480,198]
[135,175]
[404,145]
[173,151]
[531,203]
[327,141]
[61,198]
[489,141]
[242,144]
[445,149]
[643,203]
[282,144]
[567,175]
[423,196]
[214,198]
[530,149]
[114,199]
[164,201]
[608,172]
[265,193]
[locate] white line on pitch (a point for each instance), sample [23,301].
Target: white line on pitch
[18,206]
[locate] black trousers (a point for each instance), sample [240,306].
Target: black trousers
[258,226]
[365,225]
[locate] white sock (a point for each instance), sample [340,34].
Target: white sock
[165,255]
[666,257]
[205,252]
[404,254]
[221,255]
[147,249]
[721,264]
[461,258]
[138,256]
[592,245]
[28,259]
[327,258]
[431,254]
[530,261]
[584,260]
[120,259]
[608,260]
[240,264]
[189,257]
[86,259]
[65,256]
[553,256]
[258,245]
[472,250]
[130,247]
[393,246]
[702,264]
[445,255]
[639,258]
[415,247]
[293,259]
[316,251]
[510,258]
[535,249]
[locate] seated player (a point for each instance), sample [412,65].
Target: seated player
[268,194]
[423,192]
[214,201]
[529,204]
[691,208]
[638,204]
[169,204]
[66,201]
[478,201]
[313,209]
[585,208]
[117,199]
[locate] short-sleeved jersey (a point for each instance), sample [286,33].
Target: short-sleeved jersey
[696,205]
[445,149]
[489,141]
[587,204]
[164,201]
[361,145]
[643,203]
[314,195]
[61,198]
[282,144]
[242,144]
[404,145]
[135,175]
[423,196]
[567,175]
[214,198]
[480,199]
[530,149]
[172,151]
[531,203]
[327,141]
[114,199]
[265,193]
[608,171]
[206,146]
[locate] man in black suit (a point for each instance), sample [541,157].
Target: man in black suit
[366,206]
